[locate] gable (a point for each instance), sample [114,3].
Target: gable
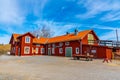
[14,38]
[27,34]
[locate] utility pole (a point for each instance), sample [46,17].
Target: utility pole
[117,35]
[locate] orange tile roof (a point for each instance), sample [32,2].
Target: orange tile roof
[15,36]
[63,38]
[69,37]
[41,40]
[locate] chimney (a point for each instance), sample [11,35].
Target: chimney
[67,33]
[76,32]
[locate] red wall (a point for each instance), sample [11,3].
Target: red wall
[73,44]
[101,51]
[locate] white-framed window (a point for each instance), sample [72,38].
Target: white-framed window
[53,50]
[18,50]
[90,39]
[37,49]
[67,43]
[26,50]
[53,45]
[60,44]
[60,50]
[38,45]
[27,39]
[42,50]
[77,50]
[32,50]
[93,51]
[13,50]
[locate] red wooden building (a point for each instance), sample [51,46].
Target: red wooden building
[65,45]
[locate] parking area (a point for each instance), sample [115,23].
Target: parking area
[56,68]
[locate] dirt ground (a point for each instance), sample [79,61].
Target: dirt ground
[56,68]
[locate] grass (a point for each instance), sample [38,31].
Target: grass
[4,48]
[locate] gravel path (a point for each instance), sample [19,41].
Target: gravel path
[56,68]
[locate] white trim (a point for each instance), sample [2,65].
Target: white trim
[67,43]
[42,50]
[50,51]
[71,51]
[36,50]
[77,48]
[26,39]
[53,50]
[60,44]
[60,50]
[28,51]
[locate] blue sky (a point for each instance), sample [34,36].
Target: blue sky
[21,16]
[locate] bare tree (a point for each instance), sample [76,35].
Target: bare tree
[43,31]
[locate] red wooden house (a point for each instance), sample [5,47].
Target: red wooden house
[65,45]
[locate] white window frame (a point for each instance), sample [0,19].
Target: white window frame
[27,37]
[60,44]
[36,50]
[77,50]
[32,49]
[94,51]
[38,45]
[67,43]
[18,50]
[42,50]
[53,50]
[28,51]
[53,45]
[60,50]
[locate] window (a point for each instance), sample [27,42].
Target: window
[67,43]
[61,44]
[26,50]
[37,50]
[90,39]
[38,45]
[18,50]
[77,50]
[32,50]
[42,50]
[27,39]
[53,45]
[53,50]
[13,50]
[60,50]
[93,51]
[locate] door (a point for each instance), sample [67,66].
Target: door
[49,51]
[68,52]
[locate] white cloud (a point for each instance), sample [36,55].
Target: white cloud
[9,12]
[104,27]
[110,35]
[112,16]
[98,6]
[57,28]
